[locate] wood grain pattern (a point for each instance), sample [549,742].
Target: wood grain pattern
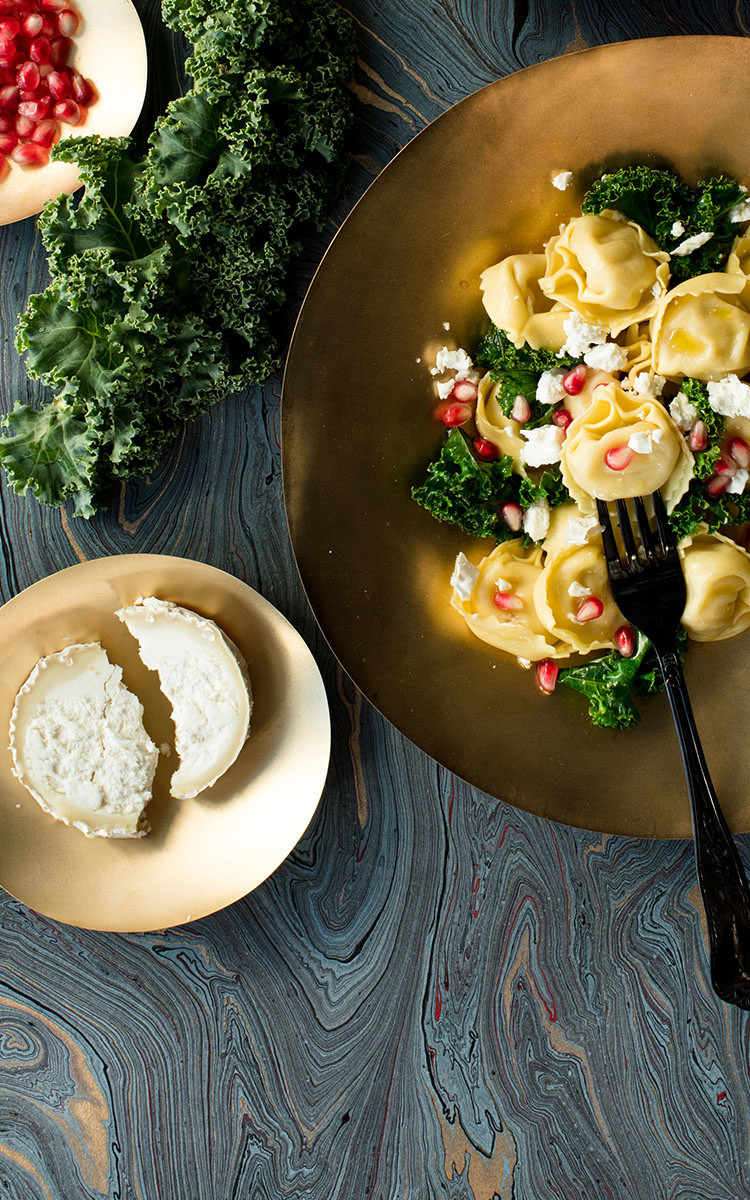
[435,996]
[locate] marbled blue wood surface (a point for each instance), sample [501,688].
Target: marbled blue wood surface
[435,996]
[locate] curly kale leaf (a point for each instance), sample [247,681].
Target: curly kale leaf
[548,486]
[517,371]
[658,200]
[608,683]
[705,460]
[170,275]
[466,492]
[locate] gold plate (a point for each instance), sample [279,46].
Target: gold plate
[110,50]
[201,854]
[358,433]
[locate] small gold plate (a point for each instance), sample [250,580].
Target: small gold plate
[201,854]
[110,50]
[358,431]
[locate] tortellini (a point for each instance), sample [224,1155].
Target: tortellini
[513,570]
[702,329]
[717,575]
[515,303]
[738,263]
[615,423]
[492,423]
[568,580]
[607,270]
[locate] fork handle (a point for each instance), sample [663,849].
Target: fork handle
[726,896]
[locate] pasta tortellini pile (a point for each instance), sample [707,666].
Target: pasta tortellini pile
[617,426]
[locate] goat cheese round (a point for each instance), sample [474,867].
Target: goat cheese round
[79,746]
[204,677]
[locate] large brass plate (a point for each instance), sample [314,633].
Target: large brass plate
[357,433]
[110,50]
[203,853]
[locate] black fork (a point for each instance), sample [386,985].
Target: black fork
[649,588]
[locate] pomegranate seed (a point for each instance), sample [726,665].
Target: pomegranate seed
[589,609]
[725,467]
[53,5]
[485,449]
[521,410]
[8,98]
[626,640]
[575,379]
[40,50]
[8,49]
[45,133]
[562,418]
[28,76]
[546,675]
[698,439]
[83,91]
[24,126]
[59,51]
[7,75]
[37,109]
[512,514]
[68,111]
[619,457]
[452,414]
[7,125]
[59,84]
[8,142]
[740,452]
[29,155]
[465,391]
[68,22]
[33,24]
[718,484]
[507,601]
[9,28]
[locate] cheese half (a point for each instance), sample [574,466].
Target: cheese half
[204,677]
[79,746]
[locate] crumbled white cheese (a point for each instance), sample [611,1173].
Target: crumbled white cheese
[503,585]
[453,360]
[644,440]
[692,243]
[549,389]
[729,396]
[582,529]
[525,663]
[446,325]
[536,520]
[445,388]
[607,357]
[658,290]
[740,212]
[464,577]
[578,590]
[738,481]
[543,445]
[614,214]
[562,180]
[683,412]
[648,385]
[677,229]
[580,336]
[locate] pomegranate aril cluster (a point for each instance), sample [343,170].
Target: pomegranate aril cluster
[39,92]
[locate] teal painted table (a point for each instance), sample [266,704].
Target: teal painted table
[435,995]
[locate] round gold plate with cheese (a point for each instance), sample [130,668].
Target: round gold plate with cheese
[204,852]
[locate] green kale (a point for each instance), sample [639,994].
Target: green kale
[170,274]
[517,371]
[608,682]
[549,486]
[696,508]
[466,492]
[657,199]
[705,460]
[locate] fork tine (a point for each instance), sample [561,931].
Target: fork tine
[647,537]
[611,552]
[666,536]
[631,550]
